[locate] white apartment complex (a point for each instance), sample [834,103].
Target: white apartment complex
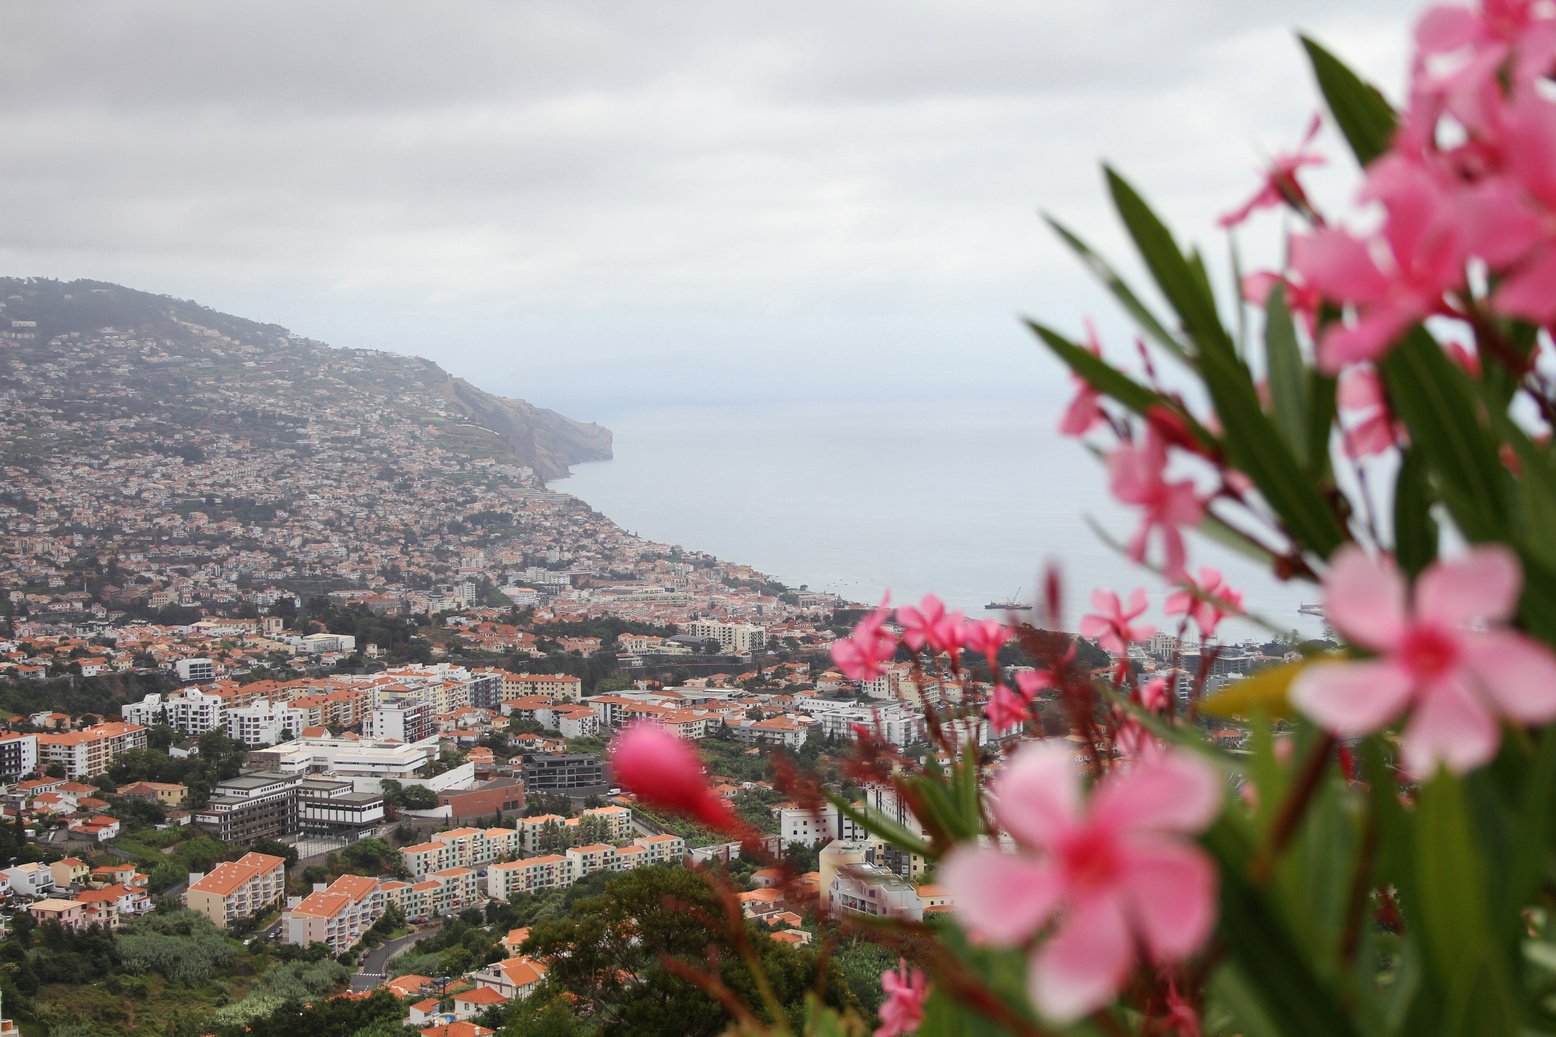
[734,638]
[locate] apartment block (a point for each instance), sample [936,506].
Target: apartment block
[529,875]
[736,638]
[18,756]
[337,916]
[662,849]
[88,752]
[238,889]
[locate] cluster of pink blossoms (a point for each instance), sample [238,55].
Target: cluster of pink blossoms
[1469,183]
[1441,652]
[868,653]
[1117,872]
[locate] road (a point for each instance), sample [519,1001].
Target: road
[374,971]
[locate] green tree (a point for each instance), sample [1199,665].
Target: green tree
[609,953]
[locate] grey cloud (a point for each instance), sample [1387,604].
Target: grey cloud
[639,190]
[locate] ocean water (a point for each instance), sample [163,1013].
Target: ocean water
[968,500]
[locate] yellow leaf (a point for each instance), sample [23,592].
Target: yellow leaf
[1262,692]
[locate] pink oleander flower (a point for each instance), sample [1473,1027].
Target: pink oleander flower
[1525,223]
[903,1009]
[1301,299]
[1394,282]
[1207,609]
[1442,652]
[1006,708]
[868,652]
[1030,682]
[986,637]
[1138,476]
[1110,625]
[664,770]
[1374,431]
[1461,53]
[1153,695]
[1083,414]
[1130,736]
[1280,185]
[930,624]
[1116,871]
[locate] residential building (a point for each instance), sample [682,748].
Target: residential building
[18,756]
[88,752]
[265,723]
[74,914]
[189,670]
[662,849]
[337,916]
[169,794]
[238,889]
[69,871]
[400,722]
[586,860]
[31,879]
[513,978]
[559,686]
[552,871]
[733,638]
[868,889]
[572,773]
[812,827]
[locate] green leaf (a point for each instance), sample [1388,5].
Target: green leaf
[1223,534]
[875,824]
[1287,375]
[1111,382]
[1148,321]
[1453,911]
[1441,409]
[1182,284]
[1415,531]
[1259,452]
[1451,885]
[1536,825]
[1097,372]
[1320,420]
[1359,110]
[1291,997]
[1231,988]
[1534,489]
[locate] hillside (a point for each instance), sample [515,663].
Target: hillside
[176,367]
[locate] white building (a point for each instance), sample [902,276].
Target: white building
[321,644]
[811,827]
[18,756]
[195,670]
[734,638]
[399,722]
[265,723]
[188,710]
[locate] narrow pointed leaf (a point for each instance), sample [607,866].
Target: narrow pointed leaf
[1182,285]
[1359,110]
[1287,375]
[1148,321]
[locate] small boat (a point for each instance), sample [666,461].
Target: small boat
[1008,606]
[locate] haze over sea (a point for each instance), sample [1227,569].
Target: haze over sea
[964,499]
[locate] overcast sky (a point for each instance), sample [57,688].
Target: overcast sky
[595,204]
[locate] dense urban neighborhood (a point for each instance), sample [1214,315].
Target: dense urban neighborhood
[308,681]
